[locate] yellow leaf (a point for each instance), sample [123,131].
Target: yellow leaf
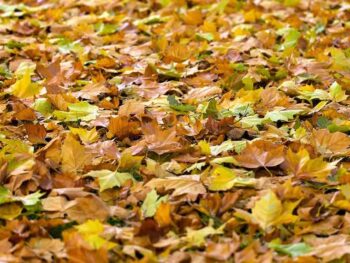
[73,155]
[128,161]
[342,204]
[91,231]
[162,215]
[90,227]
[300,165]
[24,88]
[204,147]
[267,210]
[10,211]
[86,136]
[222,179]
[287,215]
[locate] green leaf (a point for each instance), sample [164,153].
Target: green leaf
[108,179]
[211,109]
[31,199]
[221,6]
[242,110]
[105,29]
[13,10]
[151,203]
[248,82]
[323,122]
[228,145]
[28,200]
[151,20]
[337,93]
[291,37]
[293,250]
[316,94]
[12,44]
[281,115]
[224,147]
[78,111]
[205,36]
[43,106]
[5,195]
[197,237]
[66,46]
[175,105]
[340,60]
[251,121]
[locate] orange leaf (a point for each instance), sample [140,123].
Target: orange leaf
[261,154]
[121,127]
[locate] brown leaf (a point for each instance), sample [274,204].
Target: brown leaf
[161,141]
[177,53]
[80,252]
[89,207]
[261,154]
[330,248]
[36,133]
[121,127]
[181,186]
[336,143]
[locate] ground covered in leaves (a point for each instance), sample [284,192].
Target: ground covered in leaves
[175,131]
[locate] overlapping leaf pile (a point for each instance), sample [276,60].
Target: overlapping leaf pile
[175,131]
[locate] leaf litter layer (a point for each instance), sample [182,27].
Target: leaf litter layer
[175,131]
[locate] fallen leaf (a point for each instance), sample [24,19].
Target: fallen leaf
[261,154]
[181,186]
[73,155]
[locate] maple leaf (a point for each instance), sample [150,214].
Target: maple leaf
[302,166]
[86,136]
[269,211]
[151,203]
[108,179]
[77,111]
[337,93]
[88,207]
[261,154]
[181,186]
[336,143]
[281,115]
[24,88]
[122,127]
[197,237]
[161,141]
[91,231]
[223,178]
[330,248]
[177,52]
[73,155]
